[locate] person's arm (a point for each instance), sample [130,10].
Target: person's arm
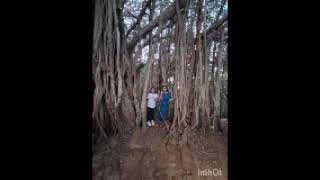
[160,96]
[171,98]
[148,96]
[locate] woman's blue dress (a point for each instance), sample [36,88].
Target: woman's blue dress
[164,106]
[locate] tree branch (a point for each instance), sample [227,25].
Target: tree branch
[166,15]
[154,37]
[139,18]
[216,25]
[130,14]
[211,33]
[221,8]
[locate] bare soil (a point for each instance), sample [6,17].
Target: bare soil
[142,155]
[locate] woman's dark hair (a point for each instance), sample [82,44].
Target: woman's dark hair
[166,87]
[152,88]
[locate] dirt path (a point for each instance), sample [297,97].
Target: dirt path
[143,156]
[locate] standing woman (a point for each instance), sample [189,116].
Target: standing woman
[165,99]
[152,101]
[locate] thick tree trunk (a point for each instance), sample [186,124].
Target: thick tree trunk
[136,87]
[180,124]
[111,96]
[146,87]
[206,72]
[199,66]
[160,64]
[217,83]
[147,76]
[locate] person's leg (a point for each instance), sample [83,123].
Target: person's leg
[152,116]
[149,116]
[161,114]
[164,115]
[148,113]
